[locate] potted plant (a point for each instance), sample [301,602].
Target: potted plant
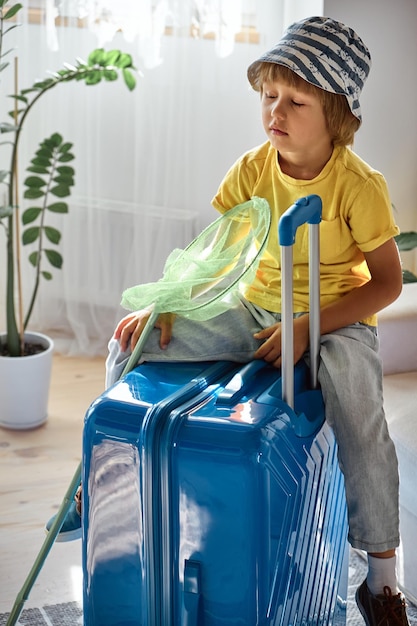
[49,182]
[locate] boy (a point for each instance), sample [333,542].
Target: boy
[309,85]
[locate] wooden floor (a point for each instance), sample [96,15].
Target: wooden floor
[36,467]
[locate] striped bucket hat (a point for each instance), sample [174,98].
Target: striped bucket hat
[326,54]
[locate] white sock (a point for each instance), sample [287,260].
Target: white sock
[382,573]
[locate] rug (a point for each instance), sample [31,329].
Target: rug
[70,614]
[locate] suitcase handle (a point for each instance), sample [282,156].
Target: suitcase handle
[306,210]
[238,383]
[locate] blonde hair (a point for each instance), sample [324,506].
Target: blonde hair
[341,122]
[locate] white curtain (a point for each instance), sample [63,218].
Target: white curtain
[147,162]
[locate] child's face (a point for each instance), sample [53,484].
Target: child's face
[294,122]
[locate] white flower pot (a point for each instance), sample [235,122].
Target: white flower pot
[24,386]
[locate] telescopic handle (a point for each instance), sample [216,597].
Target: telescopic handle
[306,210]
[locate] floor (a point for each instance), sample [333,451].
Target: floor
[36,467]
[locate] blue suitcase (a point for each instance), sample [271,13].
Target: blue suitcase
[209,501]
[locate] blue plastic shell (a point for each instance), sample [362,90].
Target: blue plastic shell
[208,502]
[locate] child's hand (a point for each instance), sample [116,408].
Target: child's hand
[271,349]
[130,328]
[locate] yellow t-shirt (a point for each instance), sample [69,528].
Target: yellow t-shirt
[357,217]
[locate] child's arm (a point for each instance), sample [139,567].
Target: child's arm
[383,288]
[131,326]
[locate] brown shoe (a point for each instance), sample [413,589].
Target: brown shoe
[381,610]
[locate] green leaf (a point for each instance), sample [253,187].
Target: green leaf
[37,169]
[19,97]
[58,207]
[12,11]
[65,147]
[15,114]
[33,258]
[43,153]
[54,258]
[30,215]
[29,90]
[11,50]
[110,75]
[34,181]
[30,235]
[65,179]
[47,275]
[93,77]
[130,80]
[42,161]
[55,140]
[96,57]
[7,128]
[66,157]
[65,75]
[3,175]
[41,85]
[406,241]
[53,234]
[33,193]
[66,170]
[61,191]
[111,57]
[9,28]
[124,61]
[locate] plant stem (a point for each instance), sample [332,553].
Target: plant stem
[17,222]
[13,339]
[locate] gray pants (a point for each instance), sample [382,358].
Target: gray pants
[350,375]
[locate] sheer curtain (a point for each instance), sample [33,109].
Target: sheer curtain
[147,162]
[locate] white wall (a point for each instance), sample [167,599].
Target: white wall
[388,137]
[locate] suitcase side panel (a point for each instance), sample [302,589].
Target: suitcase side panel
[116,561]
[261,513]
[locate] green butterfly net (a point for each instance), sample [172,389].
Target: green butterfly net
[204,280]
